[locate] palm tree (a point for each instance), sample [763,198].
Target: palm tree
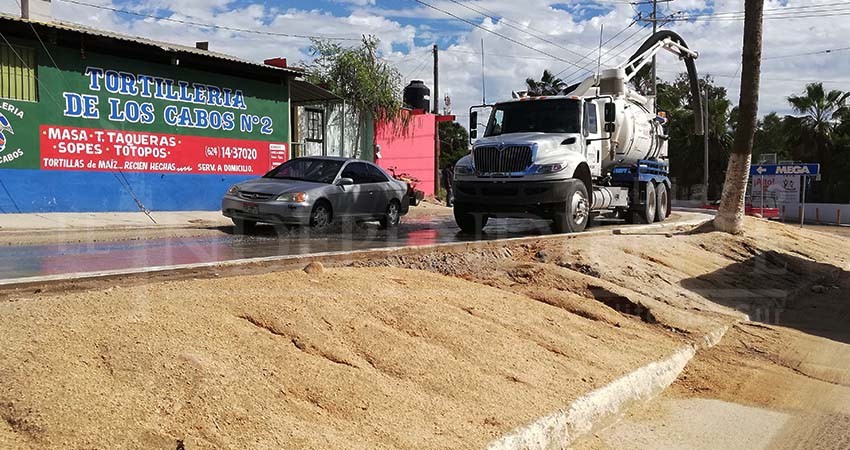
[548,85]
[730,215]
[820,111]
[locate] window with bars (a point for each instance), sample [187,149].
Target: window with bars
[315,125]
[18,73]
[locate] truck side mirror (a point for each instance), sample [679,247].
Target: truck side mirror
[473,134]
[610,114]
[473,124]
[609,127]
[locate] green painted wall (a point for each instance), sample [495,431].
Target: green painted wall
[261,99]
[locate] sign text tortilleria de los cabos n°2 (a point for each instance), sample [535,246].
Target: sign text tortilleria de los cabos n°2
[169,90]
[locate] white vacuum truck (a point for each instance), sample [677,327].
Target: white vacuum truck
[599,147]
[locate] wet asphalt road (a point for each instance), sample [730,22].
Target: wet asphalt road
[56,259]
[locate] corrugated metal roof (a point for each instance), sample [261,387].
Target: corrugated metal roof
[302,92]
[165,46]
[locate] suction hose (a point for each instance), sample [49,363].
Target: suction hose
[693,78]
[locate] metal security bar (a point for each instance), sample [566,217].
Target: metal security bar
[18,73]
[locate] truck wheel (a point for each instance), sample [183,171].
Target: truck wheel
[646,214]
[662,202]
[574,214]
[471,223]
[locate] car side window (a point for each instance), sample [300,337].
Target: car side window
[359,172]
[376,174]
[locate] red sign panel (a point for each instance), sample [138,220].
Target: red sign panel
[90,149]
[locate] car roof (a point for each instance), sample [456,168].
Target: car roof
[331,158]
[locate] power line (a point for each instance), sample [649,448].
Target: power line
[195,22]
[819,52]
[507,38]
[521,30]
[796,80]
[769,10]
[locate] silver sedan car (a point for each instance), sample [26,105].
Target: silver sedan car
[317,191]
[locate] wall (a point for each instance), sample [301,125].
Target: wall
[410,150]
[825,213]
[171,137]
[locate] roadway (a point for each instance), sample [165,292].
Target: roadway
[27,261]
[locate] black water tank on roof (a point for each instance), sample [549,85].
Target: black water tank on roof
[417,95]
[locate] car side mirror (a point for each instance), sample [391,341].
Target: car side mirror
[473,125]
[344,182]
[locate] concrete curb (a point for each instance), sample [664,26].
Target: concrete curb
[560,429]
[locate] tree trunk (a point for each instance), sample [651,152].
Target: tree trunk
[730,216]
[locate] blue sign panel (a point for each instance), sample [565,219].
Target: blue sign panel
[784,169]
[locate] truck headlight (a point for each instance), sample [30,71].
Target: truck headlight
[293,197]
[551,168]
[464,170]
[234,190]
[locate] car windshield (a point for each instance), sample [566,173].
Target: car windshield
[543,116]
[307,169]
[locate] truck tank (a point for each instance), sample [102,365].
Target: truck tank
[637,135]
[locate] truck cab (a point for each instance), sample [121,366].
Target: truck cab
[537,156]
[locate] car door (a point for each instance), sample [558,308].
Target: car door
[382,188]
[356,200]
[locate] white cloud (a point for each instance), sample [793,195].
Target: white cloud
[507,64]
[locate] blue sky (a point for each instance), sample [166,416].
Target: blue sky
[554,35]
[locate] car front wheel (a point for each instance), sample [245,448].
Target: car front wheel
[393,215]
[320,217]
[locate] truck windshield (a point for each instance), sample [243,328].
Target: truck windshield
[541,116]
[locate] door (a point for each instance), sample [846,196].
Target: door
[592,135]
[382,190]
[358,199]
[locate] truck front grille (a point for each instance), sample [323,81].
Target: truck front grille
[491,159]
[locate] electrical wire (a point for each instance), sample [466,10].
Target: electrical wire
[507,38]
[819,52]
[196,22]
[521,30]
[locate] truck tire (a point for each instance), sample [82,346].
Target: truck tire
[662,202]
[574,214]
[645,213]
[471,223]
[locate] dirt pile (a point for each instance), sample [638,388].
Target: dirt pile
[450,355]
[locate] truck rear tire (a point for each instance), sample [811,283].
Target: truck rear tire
[650,204]
[662,202]
[574,214]
[471,223]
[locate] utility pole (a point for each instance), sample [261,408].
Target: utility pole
[705,152]
[436,80]
[654,29]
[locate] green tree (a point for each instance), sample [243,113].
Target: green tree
[368,83]
[548,85]
[686,149]
[454,143]
[819,113]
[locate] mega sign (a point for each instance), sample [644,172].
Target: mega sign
[785,169]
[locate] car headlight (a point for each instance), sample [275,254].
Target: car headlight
[234,190]
[464,170]
[551,168]
[293,197]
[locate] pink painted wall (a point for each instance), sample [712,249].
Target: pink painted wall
[411,152]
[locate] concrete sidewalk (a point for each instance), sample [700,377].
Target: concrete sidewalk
[111,220]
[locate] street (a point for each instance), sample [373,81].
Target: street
[221,244]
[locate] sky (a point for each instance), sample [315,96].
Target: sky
[520,38]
